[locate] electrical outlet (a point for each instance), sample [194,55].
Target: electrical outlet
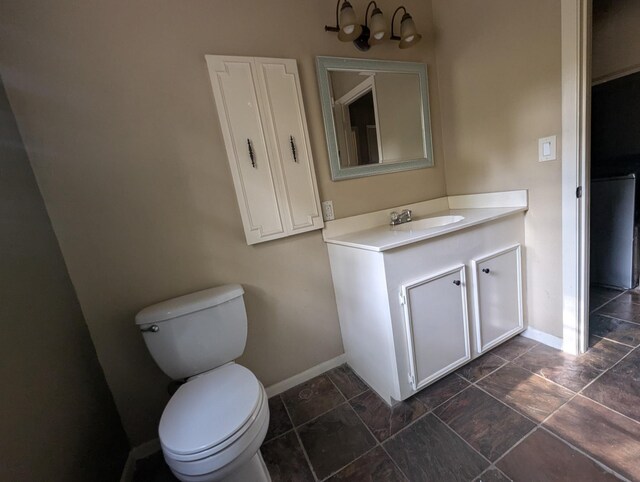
[327,211]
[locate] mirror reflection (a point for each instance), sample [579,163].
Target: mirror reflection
[376,116]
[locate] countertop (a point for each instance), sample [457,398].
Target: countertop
[372,231]
[384,237]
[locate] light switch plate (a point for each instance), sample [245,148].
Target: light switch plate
[327,211]
[547,149]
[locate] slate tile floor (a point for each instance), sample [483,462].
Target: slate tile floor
[524,412]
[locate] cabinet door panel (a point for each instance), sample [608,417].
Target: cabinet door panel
[437,325]
[233,81]
[284,110]
[498,297]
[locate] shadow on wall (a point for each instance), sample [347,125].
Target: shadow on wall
[58,419]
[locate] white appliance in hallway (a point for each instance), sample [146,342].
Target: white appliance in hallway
[613,232]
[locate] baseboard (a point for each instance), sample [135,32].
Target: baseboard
[544,338]
[140,452]
[291,382]
[129,467]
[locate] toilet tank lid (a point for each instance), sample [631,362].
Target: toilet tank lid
[186,304]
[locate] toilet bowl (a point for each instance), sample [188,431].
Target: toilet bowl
[214,424]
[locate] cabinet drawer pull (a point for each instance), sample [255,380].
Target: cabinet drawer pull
[251,155]
[486,270]
[456,282]
[293,149]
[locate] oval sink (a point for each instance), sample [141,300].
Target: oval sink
[428,223]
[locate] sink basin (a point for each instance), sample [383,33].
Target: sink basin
[428,223]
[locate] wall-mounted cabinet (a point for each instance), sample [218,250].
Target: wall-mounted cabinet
[259,104]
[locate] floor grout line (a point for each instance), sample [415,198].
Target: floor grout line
[413,422]
[464,440]
[394,460]
[304,451]
[609,301]
[375,439]
[541,424]
[432,411]
[492,465]
[591,457]
[606,315]
[613,341]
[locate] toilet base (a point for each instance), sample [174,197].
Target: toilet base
[254,470]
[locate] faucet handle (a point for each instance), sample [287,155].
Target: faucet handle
[408,213]
[394,215]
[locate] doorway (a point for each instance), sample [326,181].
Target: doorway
[614,300]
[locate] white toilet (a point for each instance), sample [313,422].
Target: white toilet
[213,426]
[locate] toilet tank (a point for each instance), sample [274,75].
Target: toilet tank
[196,332]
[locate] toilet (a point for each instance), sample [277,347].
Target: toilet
[214,424]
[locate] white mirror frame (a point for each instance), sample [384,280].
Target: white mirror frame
[328,64]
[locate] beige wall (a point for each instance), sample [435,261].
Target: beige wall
[57,417]
[499,73]
[114,104]
[616,37]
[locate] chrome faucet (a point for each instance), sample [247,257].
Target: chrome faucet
[403,217]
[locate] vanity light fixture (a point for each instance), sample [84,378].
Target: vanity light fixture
[408,33]
[374,30]
[374,34]
[347,25]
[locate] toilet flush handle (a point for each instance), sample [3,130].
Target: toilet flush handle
[152,329]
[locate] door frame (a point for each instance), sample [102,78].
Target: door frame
[576,18]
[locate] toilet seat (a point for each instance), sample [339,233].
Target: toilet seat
[213,420]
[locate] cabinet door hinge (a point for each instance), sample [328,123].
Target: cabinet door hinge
[412,380]
[403,298]
[579,192]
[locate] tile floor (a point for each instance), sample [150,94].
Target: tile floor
[523,412]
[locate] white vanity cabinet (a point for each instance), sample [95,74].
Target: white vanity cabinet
[259,104]
[498,297]
[414,303]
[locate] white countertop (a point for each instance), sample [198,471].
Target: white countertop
[373,232]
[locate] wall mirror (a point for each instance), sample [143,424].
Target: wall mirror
[376,116]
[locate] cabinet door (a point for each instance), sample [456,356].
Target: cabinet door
[233,80]
[285,117]
[437,325]
[498,297]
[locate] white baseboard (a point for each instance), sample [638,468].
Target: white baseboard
[291,382]
[129,467]
[140,452]
[544,338]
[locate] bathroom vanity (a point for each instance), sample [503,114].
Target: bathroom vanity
[418,300]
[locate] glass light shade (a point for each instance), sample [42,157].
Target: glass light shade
[378,27]
[349,27]
[408,34]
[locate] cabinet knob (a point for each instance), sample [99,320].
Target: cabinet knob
[486,270]
[456,282]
